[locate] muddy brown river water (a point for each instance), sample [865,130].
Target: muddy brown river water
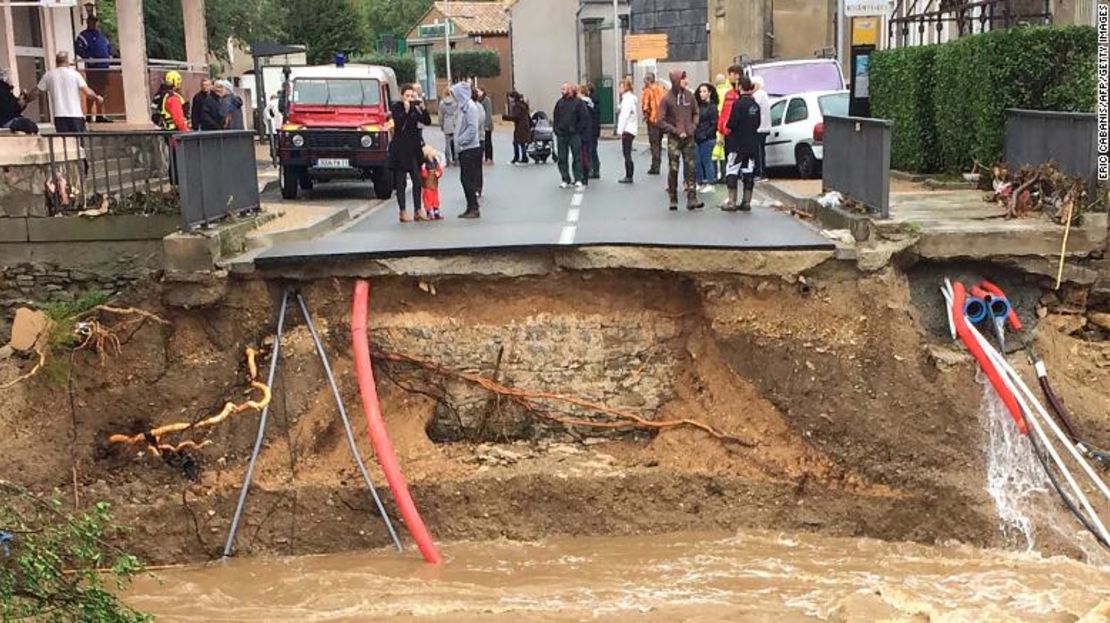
[752,576]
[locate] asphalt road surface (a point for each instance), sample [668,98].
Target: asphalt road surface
[523,207]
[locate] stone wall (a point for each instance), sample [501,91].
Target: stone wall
[626,362]
[37,285]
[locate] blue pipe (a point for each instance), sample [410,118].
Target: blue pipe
[976,310]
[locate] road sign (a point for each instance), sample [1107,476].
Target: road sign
[643,47]
[863,8]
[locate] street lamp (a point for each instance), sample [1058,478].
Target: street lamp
[447,39]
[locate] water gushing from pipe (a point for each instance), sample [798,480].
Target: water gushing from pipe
[1014,477]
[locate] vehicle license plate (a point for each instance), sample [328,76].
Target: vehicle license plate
[333,163]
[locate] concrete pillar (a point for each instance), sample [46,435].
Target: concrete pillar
[7,43]
[132,52]
[196,33]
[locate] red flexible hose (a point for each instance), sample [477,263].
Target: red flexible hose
[383,447]
[972,345]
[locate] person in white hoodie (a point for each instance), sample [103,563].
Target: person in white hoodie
[764,102]
[628,123]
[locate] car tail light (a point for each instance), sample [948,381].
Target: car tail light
[819,132]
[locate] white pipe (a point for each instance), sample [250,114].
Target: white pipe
[1053,425]
[1009,380]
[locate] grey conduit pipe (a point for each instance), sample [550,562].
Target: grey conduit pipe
[346,421]
[261,431]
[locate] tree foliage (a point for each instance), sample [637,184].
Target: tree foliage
[328,27]
[393,17]
[403,66]
[58,566]
[465,64]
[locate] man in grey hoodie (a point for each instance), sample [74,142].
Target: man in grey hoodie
[468,133]
[448,113]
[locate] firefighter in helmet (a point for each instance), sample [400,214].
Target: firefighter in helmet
[169,104]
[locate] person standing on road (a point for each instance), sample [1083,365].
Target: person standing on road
[468,142]
[650,100]
[487,108]
[764,102]
[64,86]
[521,116]
[705,136]
[570,121]
[93,46]
[406,151]
[593,119]
[627,127]
[742,146]
[723,87]
[448,118]
[593,161]
[678,118]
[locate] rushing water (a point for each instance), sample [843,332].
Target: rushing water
[754,576]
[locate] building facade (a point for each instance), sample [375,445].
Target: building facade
[557,41]
[683,21]
[469,26]
[32,33]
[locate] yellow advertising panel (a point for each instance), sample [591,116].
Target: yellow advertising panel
[865,31]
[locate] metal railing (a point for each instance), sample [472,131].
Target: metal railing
[91,170]
[218,175]
[922,22]
[857,161]
[1069,139]
[204,176]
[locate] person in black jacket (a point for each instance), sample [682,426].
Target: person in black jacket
[570,121]
[11,108]
[204,111]
[742,146]
[705,136]
[592,164]
[406,149]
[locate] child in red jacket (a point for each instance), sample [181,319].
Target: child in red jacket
[430,172]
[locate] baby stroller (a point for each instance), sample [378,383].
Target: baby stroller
[541,146]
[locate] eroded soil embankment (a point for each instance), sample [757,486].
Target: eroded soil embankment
[848,425]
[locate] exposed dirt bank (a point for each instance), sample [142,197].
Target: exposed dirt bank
[854,422]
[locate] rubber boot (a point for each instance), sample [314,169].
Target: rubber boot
[673,201]
[746,203]
[730,204]
[692,201]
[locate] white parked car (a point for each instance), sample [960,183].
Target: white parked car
[798,129]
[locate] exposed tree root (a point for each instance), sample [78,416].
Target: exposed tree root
[41,352]
[525,399]
[153,437]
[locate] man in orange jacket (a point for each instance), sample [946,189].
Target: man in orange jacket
[650,99]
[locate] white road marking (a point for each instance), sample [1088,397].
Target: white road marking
[576,200]
[567,236]
[573,214]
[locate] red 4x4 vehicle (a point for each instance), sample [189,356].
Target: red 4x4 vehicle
[336,127]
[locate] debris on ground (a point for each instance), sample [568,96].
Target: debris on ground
[27,329]
[1043,189]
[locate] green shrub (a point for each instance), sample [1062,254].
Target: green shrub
[479,63]
[403,66]
[969,83]
[902,91]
